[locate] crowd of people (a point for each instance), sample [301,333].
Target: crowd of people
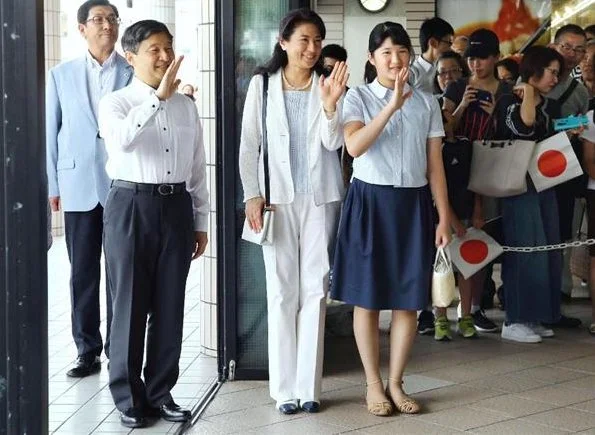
[358,183]
[403,196]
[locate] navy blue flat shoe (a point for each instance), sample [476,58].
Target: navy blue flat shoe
[311,407]
[288,408]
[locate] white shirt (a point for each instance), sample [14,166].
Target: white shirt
[589,134]
[153,141]
[101,79]
[398,157]
[423,74]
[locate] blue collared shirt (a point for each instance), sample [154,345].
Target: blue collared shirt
[399,156]
[101,79]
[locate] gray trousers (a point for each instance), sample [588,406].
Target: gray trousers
[149,240]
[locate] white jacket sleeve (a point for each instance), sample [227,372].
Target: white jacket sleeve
[251,139]
[331,130]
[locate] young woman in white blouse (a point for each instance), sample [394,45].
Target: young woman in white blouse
[386,238]
[304,131]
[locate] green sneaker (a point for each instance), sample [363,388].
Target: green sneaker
[442,329]
[466,328]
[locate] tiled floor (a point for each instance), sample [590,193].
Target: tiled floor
[85,406]
[484,386]
[479,386]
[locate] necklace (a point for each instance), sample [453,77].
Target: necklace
[295,88]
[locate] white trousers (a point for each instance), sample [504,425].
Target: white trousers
[297,277]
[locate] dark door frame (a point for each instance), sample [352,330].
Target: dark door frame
[227,163]
[23,221]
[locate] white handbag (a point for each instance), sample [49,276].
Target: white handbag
[554,162]
[443,280]
[265,236]
[499,167]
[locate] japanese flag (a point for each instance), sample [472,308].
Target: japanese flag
[473,251]
[553,162]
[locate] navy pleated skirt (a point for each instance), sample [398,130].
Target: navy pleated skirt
[385,247]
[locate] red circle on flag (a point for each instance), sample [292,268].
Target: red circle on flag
[552,163]
[474,251]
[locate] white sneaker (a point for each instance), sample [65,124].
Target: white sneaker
[541,330]
[519,332]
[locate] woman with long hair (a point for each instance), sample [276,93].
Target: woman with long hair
[386,237]
[304,130]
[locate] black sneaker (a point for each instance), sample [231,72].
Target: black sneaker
[565,322]
[482,323]
[425,323]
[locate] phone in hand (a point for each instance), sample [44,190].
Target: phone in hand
[482,95]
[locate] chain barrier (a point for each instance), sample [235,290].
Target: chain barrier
[574,244]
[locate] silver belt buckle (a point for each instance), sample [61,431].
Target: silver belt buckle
[165,189]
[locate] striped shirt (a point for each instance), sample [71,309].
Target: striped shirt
[296,106]
[398,157]
[101,79]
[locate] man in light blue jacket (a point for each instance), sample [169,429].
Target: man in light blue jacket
[76,157]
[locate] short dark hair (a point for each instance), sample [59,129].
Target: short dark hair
[287,26]
[140,31]
[83,11]
[435,28]
[536,59]
[569,28]
[590,29]
[460,61]
[397,34]
[335,51]
[511,65]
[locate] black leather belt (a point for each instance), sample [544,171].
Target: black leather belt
[154,189]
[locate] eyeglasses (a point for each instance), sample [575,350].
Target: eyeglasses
[451,72]
[552,71]
[568,48]
[448,42]
[99,20]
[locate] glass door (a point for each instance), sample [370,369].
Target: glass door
[247,32]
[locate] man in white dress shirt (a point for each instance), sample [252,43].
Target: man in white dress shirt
[155,222]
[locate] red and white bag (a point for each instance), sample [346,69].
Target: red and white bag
[473,251]
[553,162]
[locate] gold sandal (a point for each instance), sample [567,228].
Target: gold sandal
[404,406]
[379,409]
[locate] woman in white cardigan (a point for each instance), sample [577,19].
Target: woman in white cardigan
[304,131]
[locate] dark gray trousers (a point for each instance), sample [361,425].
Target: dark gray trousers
[149,240]
[84,232]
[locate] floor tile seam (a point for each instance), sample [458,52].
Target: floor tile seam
[549,426]
[556,407]
[424,417]
[82,406]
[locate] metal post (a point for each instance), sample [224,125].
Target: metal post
[23,230]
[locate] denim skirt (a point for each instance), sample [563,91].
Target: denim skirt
[385,247]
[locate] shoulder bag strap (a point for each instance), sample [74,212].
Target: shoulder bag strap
[569,90]
[265,146]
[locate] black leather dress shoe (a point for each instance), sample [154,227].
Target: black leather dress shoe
[84,366]
[172,412]
[133,418]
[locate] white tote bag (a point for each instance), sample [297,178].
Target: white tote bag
[473,251]
[265,236]
[443,280]
[499,167]
[554,162]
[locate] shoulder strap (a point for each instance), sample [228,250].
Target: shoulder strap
[265,147]
[569,90]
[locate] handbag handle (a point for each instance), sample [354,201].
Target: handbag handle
[441,255]
[265,147]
